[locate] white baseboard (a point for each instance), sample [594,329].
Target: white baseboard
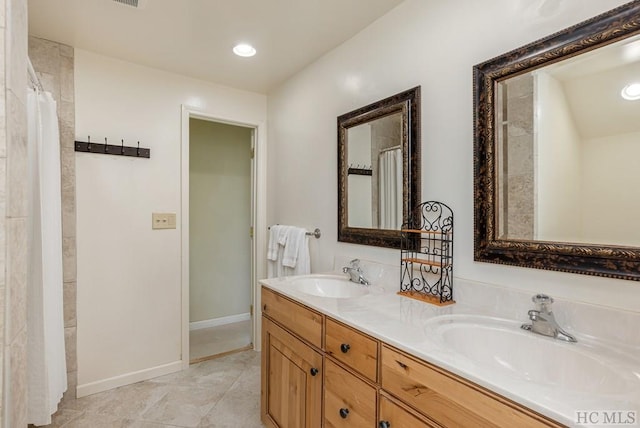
[127,379]
[197,325]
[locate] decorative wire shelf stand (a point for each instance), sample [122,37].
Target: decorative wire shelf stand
[426,254]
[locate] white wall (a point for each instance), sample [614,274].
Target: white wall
[558,165]
[129,291]
[433,44]
[610,205]
[219,220]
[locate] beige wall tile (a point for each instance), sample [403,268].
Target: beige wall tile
[66,50]
[2,303]
[70,349]
[3,6]
[17,185]
[3,107]
[16,276]
[66,114]
[3,230]
[68,170]
[18,376]
[67,142]
[69,303]
[13,147]
[68,213]
[1,378]
[72,384]
[45,55]
[66,79]
[520,155]
[51,83]
[2,347]
[16,43]
[69,258]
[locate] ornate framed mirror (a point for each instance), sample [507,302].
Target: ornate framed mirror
[557,150]
[378,169]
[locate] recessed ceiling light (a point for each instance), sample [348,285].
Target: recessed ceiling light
[631,92]
[244,49]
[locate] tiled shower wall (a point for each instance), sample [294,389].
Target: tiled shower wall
[13,212]
[53,63]
[516,183]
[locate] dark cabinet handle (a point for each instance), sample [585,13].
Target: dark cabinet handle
[344,413]
[384,424]
[345,348]
[313,371]
[264,307]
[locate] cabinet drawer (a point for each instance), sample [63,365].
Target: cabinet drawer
[353,348]
[296,318]
[448,399]
[393,415]
[348,400]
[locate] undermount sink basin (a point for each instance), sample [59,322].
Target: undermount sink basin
[328,286]
[502,346]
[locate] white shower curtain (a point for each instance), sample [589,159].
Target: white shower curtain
[390,189]
[47,371]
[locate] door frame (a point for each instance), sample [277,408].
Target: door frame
[258,216]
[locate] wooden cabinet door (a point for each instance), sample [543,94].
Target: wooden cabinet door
[291,395]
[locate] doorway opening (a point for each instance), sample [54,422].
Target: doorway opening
[220,242]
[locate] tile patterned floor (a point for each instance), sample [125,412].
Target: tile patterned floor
[220,339]
[223,392]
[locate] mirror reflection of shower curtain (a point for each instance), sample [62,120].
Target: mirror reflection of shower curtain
[47,374]
[390,188]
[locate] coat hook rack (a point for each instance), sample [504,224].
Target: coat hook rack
[359,170]
[111,149]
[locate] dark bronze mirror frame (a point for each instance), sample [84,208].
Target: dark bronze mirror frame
[601,260]
[409,103]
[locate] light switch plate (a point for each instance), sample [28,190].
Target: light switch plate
[163,220]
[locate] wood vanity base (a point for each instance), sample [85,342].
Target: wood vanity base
[339,376]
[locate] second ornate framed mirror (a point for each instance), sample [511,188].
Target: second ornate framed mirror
[557,150]
[378,169]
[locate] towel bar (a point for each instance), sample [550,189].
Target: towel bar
[316,233]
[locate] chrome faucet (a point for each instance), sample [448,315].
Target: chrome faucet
[543,322]
[355,272]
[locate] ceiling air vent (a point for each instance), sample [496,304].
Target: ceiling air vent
[138,4]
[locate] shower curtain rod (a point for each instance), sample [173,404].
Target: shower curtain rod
[33,76]
[388,149]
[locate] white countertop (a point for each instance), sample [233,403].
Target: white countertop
[404,323]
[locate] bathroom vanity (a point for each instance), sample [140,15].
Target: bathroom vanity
[320,371]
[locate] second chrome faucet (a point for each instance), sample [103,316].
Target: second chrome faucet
[544,322]
[355,272]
